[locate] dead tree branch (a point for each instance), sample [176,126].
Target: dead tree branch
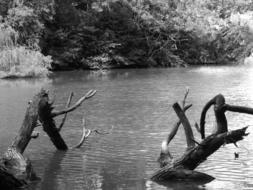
[183,167]
[186,124]
[13,163]
[65,115]
[76,105]
[165,156]
[220,107]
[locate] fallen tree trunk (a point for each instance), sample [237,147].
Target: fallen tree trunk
[8,181]
[15,169]
[183,167]
[191,159]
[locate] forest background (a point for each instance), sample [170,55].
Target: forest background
[38,36]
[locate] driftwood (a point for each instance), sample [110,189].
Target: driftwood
[220,107]
[196,153]
[15,169]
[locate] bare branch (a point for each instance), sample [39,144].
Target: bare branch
[85,134]
[65,115]
[240,109]
[76,105]
[203,116]
[186,125]
[185,96]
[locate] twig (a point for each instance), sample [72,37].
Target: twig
[65,115]
[87,132]
[185,96]
[84,134]
[77,104]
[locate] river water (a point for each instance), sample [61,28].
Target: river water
[137,103]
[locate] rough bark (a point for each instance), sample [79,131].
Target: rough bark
[220,107]
[15,169]
[13,162]
[48,123]
[186,124]
[183,167]
[165,156]
[192,158]
[8,181]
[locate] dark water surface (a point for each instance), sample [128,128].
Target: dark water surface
[138,104]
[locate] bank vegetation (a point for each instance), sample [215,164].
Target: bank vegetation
[72,34]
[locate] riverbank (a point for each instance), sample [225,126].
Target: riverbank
[132,34]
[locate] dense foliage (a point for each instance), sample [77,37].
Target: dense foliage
[133,33]
[20,54]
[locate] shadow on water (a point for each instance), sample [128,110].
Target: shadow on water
[49,179]
[195,181]
[189,185]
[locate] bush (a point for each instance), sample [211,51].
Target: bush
[23,62]
[20,54]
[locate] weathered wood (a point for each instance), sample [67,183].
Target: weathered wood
[220,107]
[13,165]
[186,124]
[76,105]
[240,109]
[30,122]
[182,167]
[192,158]
[165,156]
[8,181]
[219,111]
[48,123]
[65,115]
[13,160]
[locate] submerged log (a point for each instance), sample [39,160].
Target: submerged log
[183,167]
[192,158]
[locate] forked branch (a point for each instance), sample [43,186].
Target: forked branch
[87,132]
[76,105]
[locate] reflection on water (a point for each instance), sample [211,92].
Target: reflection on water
[138,104]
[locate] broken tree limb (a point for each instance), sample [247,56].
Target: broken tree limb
[165,156]
[192,158]
[220,107]
[85,134]
[239,109]
[48,123]
[183,167]
[65,115]
[13,163]
[76,105]
[186,124]
[29,123]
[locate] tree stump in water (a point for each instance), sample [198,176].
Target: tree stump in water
[196,153]
[15,169]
